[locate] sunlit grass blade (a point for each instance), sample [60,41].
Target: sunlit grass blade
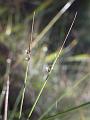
[67,111]
[9,26]
[7,89]
[6,100]
[51,68]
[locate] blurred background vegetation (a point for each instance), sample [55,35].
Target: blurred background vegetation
[69,83]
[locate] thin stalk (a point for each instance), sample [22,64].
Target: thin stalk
[28,60]
[51,68]
[32,30]
[23,93]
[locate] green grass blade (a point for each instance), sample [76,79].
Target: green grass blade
[67,111]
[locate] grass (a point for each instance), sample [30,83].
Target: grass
[68,92]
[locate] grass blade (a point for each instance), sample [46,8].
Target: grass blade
[67,111]
[51,68]
[23,92]
[28,58]
[7,89]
